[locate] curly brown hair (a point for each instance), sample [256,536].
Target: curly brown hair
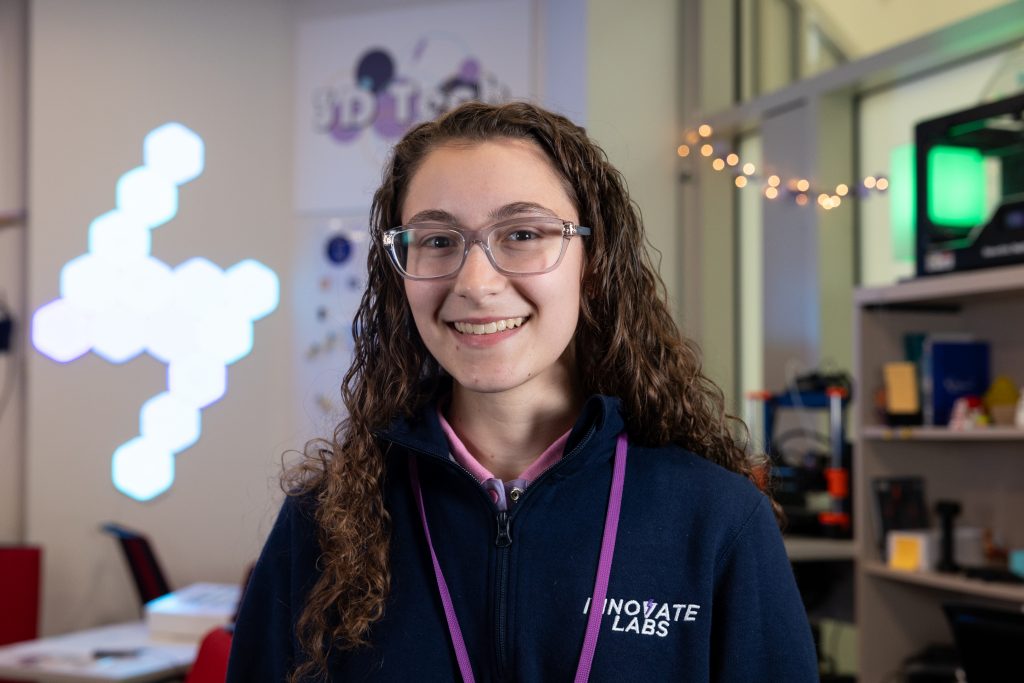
[627,346]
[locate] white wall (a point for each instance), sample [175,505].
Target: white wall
[561,80]
[13,14]
[102,75]
[633,113]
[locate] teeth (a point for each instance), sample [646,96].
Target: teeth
[489,328]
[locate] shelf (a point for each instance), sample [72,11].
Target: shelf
[945,289]
[899,612]
[879,433]
[947,582]
[809,549]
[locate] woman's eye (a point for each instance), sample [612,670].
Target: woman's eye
[437,242]
[522,235]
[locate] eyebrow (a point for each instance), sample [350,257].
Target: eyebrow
[501,213]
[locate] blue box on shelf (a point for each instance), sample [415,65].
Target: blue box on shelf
[953,369]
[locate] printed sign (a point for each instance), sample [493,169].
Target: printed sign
[364,80]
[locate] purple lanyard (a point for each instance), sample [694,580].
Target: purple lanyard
[604,568]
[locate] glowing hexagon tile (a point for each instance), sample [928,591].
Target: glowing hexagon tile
[252,288]
[61,331]
[147,197]
[175,152]
[198,379]
[117,236]
[170,422]
[142,469]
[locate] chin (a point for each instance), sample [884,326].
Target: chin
[486,385]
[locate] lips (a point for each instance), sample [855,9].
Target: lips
[490,327]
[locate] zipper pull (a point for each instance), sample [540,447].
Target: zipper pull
[504,538]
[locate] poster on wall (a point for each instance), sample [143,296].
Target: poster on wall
[364,79]
[325,300]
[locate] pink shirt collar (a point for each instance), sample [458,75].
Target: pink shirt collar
[549,457]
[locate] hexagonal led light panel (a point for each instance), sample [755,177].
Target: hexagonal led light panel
[117,301]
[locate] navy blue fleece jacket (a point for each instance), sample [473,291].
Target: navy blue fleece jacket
[700,589]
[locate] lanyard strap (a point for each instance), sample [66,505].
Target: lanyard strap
[604,567]
[604,564]
[461,654]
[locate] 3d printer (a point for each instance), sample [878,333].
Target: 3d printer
[970,188]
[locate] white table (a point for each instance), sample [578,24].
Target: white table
[121,652]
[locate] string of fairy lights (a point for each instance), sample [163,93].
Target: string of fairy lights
[745,174]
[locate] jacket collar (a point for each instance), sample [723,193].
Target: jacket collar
[593,435]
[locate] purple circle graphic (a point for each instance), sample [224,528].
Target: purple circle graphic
[338,249]
[375,70]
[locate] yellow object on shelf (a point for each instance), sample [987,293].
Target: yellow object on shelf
[901,397]
[1001,400]
[910,551]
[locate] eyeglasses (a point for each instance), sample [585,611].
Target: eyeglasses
[529,245]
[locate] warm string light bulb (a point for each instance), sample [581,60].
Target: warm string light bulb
[718,164]
[741,181]
[842,189]
[732,159]
[803,185]
[704,130]
[882,185]
[773,181]
[706,150]
[771,192]
[683,150]
[869,182]
[749,168]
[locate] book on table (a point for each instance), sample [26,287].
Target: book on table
[192,611]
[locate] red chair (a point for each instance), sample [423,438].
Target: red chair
[19,593]
[211,665]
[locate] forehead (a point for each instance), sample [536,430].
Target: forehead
[471,179]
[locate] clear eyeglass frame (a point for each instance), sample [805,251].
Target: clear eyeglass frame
[482,237]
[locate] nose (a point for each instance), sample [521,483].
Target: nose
[478,277]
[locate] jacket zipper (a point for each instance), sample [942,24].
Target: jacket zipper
[504,542]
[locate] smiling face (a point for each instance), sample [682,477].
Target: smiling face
[491,332]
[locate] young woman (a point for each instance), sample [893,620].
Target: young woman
[535,481]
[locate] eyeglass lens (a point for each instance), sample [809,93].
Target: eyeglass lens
[521,247]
